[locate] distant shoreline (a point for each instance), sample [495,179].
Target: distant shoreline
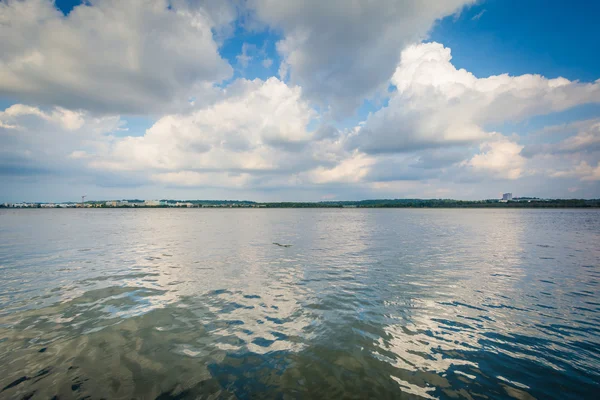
[392,203]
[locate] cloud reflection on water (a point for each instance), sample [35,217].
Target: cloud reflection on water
[435,303]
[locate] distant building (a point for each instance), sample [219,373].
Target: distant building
[152,203]
[507,196]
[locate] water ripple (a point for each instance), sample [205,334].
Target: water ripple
[366,304]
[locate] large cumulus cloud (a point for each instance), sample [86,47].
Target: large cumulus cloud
[342,51]
[437,104]
[256,134]
[36,143]
[111,56]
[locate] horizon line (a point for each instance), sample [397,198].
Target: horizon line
[296,201]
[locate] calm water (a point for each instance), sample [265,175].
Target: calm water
[472,304]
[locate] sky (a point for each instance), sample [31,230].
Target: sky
[298,100]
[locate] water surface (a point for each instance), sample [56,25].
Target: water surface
[399,303]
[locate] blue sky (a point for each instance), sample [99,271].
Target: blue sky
[266,100]
[552,38]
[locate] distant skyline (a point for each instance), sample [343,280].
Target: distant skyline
[165,199]
[268,100]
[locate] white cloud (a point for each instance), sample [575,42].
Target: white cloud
[200,151]
[202,179]
[244,57]
[583,171]
[341,52]
[7,126]
[567,151]
[78,154]
[478,15]
[257,127]
[500,158]
[70,120]
[583,140]
[267,62]
[437,104]
[349,170]
[581,137]
[134,56]
[38,142]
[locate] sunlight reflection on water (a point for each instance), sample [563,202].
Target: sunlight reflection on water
[366,303]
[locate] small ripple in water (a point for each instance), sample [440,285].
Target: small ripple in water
[433,304]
